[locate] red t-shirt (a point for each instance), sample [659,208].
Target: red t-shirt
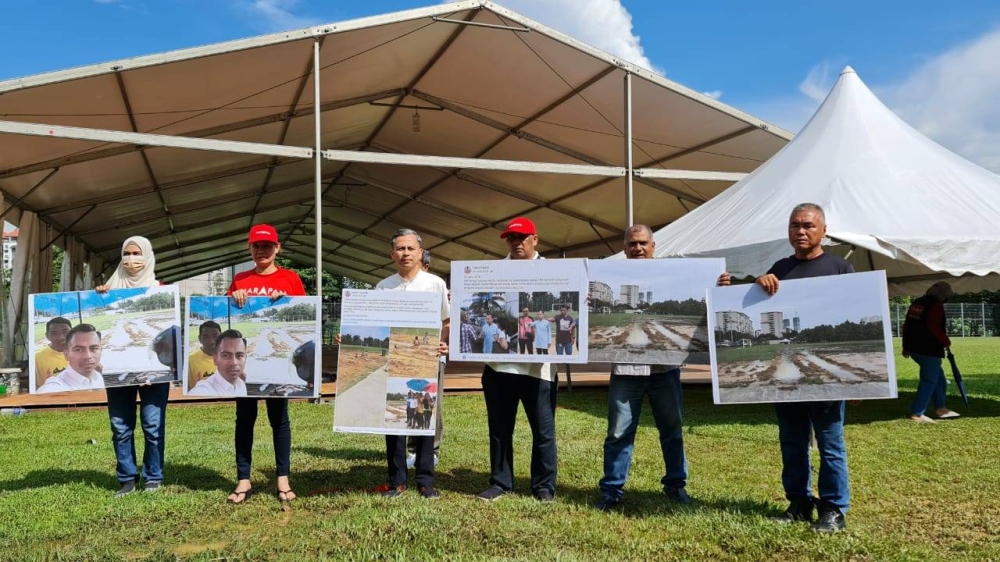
[257,285]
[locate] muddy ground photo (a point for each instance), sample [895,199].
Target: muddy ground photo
[648,338]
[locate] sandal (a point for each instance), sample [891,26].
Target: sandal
[285,493]
[241,497]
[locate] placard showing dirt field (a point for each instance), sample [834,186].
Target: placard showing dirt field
[87,340]
[388,355]
[650,311]
[276,351]
[826,338]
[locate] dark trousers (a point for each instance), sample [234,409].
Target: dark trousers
[395,455]
[525,346]
[281,430]
[541,351]
[503,392]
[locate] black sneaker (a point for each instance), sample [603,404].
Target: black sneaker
[394,491]
[799,511]
[491,494]
[151,487]
[126,489]
[429,492]
[830,520]
[677,495]
[607,503]
[544,496]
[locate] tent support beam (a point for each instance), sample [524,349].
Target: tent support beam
[352,272]
[20,200]
[67,230]
[318,170]
[629,194]
[90,156]
[481,24]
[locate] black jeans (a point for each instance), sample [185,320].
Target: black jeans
[525,346]
[395,455]
[281,430]
[503,392]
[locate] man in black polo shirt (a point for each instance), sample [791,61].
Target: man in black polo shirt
[806,229]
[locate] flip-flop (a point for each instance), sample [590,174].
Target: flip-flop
[286,498]
[241,497]
[922,419]
[949,415]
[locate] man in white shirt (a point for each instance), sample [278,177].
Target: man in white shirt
[230,362]
[531,384]
[407,253]
[83,353]
[629,384]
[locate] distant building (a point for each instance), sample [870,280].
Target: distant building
[733,321]
[9,247]
[796,325]
[601,291]
[649,297]
[630,295]
[871,319]
[787,323]
[772,323]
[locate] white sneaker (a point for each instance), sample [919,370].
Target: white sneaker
[411,459]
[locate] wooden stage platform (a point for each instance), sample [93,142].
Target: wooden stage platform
[460,378]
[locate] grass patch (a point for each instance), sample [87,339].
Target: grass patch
[919,492]
[625,319]
[765,352]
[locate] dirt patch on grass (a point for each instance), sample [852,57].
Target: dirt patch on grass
[743,374]
[354,365]
[407,360]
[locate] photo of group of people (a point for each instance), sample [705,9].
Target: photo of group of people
[265,348]
[521,323]
[410,403]
[89,340]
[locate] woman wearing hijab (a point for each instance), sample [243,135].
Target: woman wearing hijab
[137,269]
[265,280]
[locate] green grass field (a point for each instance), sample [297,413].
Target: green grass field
[920,492]
[766,352]
[102,322]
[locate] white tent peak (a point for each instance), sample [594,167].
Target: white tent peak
[894,198]
[847,70]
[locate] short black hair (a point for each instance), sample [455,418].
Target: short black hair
[82,329]
[229,335]
[209,324]
[57,320]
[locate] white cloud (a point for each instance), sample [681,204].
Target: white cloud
[818,82]
[604,24]
[275,15]
[714,94]
[954,98]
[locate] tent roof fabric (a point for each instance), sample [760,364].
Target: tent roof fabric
[905,204]
[472,91]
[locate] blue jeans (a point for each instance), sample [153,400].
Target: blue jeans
[932,384]
[795,419]
[564,348]
[624,406]
[153,415]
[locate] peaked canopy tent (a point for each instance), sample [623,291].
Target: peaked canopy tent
[449,120]
[894,201]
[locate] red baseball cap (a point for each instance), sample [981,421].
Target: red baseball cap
[263,233]
[520,225]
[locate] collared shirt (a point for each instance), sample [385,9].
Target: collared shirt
[543,333]
[490,334]
[422,282]
[217,385]
[72,380]
[467,336]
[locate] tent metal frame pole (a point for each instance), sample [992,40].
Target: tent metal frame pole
[629,188]
[318,179]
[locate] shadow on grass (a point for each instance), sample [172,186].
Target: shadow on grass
[344,454]
[51,477]
[194,477]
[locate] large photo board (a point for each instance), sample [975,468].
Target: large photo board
[86,340]
[519,311]
[825,338]
[387,368]
[276,353]
[650,311]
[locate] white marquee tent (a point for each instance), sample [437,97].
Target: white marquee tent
[894,201]
[450,120]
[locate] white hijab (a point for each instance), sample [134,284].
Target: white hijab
[120,279]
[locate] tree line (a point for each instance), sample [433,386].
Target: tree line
[368,341]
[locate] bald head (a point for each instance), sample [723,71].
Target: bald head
[940,290]
[639,243]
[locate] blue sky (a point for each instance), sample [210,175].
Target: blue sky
[931,61]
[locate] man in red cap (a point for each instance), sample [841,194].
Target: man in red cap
[531,384]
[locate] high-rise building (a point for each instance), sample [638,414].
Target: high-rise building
[630,295]
[601,291]
[649,297]
[871,319]
[733,321]
[796,325]
[9,247]
[772,323]
[787,323]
